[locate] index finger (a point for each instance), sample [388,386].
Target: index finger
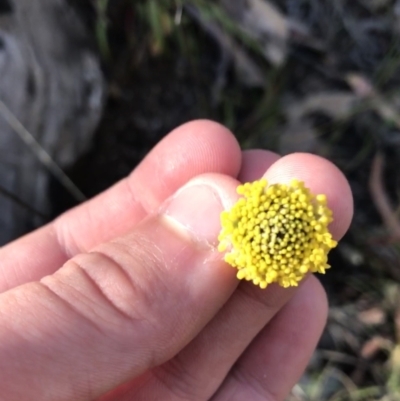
[192,149]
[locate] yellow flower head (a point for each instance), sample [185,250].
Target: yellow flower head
[276,233]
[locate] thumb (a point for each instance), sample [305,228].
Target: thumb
[109,315]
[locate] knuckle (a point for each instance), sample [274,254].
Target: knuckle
[244,378]
[130,282]
[179,381]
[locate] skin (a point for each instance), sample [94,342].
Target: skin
[126,298]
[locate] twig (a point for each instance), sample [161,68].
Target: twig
[381,199]
[40,153]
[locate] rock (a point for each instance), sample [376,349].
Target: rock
[52,83]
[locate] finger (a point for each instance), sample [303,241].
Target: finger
[274,362]
[200,368]
[321,177]
[197,371]
[195,148]
[163,383]
[127,306]
[255,163]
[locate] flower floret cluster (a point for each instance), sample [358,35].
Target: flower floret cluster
[276,233]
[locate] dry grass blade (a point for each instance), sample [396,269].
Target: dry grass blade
[381,199]
[40,153]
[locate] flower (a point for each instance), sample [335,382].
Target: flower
[276,233]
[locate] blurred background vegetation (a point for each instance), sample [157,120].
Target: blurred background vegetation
[320,76]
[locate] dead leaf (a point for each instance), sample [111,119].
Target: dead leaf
[262,21]
[360,85]
[334,104]
[373,316]
[375,345]
[386,108]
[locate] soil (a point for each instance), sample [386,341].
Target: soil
[149,95]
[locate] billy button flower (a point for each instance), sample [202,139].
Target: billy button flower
[276,233]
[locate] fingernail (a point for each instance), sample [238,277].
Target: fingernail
[196,208]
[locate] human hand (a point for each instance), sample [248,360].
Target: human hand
[143,307]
